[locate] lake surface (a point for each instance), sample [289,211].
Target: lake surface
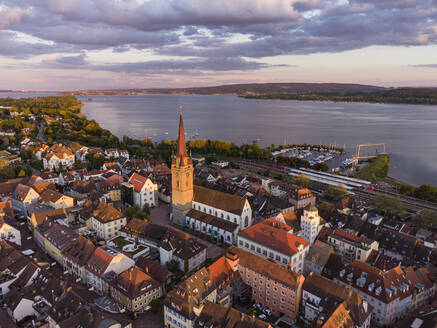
[409,131]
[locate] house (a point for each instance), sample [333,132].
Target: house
[19,306]
[55,199]
[12,264]
[317,257]
[38,218]
[56,238]
[134,289]
[40,187]
[23,196]
[92,317]
[155,270]
[49,176]
[68,178]
[107,221]
[389,293]
[325,302]
[105,259]
[273,285]
[6,209]
[145,191]
[273,240]
[116,153]
[81,189]
[9,233]
[144,232]
[114,166]
[185,302]
[182,249]
[76,255]
[58,156]
[352,247]
[218,316]
[424,282]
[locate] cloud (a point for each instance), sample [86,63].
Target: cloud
[214,35]
[154,66]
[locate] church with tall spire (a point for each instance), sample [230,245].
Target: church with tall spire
[214,213]
[181,178]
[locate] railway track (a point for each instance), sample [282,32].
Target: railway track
[410,204]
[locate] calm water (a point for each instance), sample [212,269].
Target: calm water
[410,132]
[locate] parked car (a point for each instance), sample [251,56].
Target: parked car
[262,316]
[258,306]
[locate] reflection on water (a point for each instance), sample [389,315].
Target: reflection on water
[410,132]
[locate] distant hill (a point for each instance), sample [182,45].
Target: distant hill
[247,89]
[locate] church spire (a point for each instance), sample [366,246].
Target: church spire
[181,153]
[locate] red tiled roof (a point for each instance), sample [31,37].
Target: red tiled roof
[274,238]
[137,181]
[347,235]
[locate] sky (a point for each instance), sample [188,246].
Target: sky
[103,44]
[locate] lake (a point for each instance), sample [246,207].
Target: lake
[409,131]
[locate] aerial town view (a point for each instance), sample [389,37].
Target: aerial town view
[218,164]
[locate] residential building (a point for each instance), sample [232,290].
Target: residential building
[76,255]
[58,156]
[352,247]
[145,191]
[38,218]
[55,199]
[325,301]
[182,249]
[105,259]
[185,302]
[424,283]
[272,239]
[218,316]
[9,233]
[273,285]
[134,289]
[56,238]
[107,221]
[317,257]
[390,293]
[311,223]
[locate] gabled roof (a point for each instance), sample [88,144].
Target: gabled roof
[59,213]
[134,282]
[265,267]
[138,181]
[274,237]
[51,196]
[106,213]
[40,187]
[101,259]
[217,199]
[79,251]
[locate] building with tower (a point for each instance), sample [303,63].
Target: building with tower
[214,213]
[311,223]
[181,179]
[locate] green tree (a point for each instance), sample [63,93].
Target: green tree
[426,192]
[321,167]
[426,219]
[387,205]
[302,180]
[335,193]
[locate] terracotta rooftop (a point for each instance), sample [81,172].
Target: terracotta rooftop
[269,269]
[107,213]
[274,238]
[137,181]
[134,282]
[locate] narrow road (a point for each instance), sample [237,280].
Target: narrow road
[40,135]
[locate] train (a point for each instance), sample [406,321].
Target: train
[326,178]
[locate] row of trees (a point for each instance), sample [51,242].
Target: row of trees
[427,96]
